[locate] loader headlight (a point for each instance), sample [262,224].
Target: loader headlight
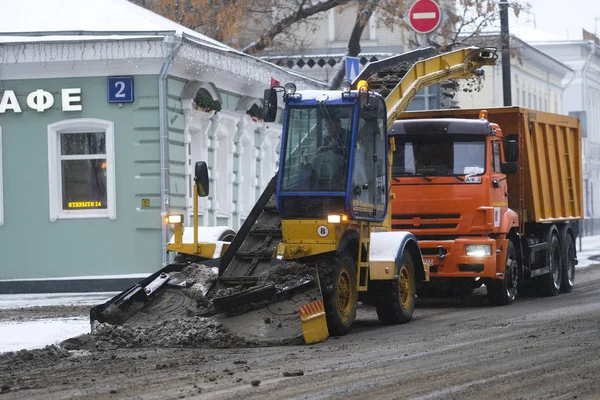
[174,219]
[478,250]
[345,86]
[290,88]
[337,218]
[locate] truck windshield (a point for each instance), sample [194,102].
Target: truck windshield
[316,149]
[439,155]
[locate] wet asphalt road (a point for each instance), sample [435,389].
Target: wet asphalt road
[537,348]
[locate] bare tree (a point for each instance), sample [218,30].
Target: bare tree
[254,26]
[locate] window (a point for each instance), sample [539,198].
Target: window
[81,169]
[438,155]
[496,161]
[316,149]
[1,183]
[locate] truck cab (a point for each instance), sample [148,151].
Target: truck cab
[450,189]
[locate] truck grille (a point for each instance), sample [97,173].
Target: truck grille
[425,221]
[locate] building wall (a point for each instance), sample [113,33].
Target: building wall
[34,247]
[242,153]
[582,93]
[530,87]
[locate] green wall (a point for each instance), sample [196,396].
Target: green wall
[33,247]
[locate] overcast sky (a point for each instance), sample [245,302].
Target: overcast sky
[561,17]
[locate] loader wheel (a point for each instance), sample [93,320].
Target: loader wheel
[395,301]
[568,271]
[550,283]
[340,295]
[502,292]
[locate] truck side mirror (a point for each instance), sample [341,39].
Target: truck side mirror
[509,168]
[270,104]
[201,178]
[512,148]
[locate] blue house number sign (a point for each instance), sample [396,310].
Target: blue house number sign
[120,89]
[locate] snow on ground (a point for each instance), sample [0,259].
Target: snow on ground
[40,333]
[9,301]
[590,247]
[37,333]
[33,334]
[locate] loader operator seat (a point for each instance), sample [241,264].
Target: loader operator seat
[329,167]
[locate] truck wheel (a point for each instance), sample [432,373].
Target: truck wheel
[502,292]
[340,295]
[568,271]
[396,299]
[551,282]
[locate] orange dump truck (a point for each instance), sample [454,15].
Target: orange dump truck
[494,197]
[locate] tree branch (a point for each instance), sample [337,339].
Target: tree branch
[301,13]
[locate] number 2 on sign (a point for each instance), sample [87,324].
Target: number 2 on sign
[120,86]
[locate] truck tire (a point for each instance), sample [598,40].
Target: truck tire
[340,295]
[395,301]
[568,270]
[549,284]
[502,292]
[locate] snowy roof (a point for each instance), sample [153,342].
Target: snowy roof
[27,20]
[529,34]
[77,22]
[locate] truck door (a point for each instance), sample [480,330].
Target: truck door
[368,191]
[499,193]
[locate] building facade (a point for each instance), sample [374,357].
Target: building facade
[536,79]
[582,97]
[99,132]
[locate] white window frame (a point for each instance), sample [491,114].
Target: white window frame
[79,125]
[1,183]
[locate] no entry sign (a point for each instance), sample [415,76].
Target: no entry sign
[424,16]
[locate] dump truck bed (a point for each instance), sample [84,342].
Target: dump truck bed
[548,186]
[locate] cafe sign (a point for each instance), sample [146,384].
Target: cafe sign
[41,100]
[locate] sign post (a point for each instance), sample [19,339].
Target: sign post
[424,16]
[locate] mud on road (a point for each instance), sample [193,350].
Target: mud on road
[541,348]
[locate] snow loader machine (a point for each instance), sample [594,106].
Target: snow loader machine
[318,240]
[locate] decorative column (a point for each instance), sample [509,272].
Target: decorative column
[247,165]
[198,124]
[225,123]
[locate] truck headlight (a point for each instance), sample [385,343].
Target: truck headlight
[479,250]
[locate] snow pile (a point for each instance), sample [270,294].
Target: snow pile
[183,314]
[195,332]
[46,356]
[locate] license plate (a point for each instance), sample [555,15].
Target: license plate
[428,262]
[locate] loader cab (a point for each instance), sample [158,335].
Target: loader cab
[333,156]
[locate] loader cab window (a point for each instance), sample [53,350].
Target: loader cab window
[316,153]
[439,155]
[369,177]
